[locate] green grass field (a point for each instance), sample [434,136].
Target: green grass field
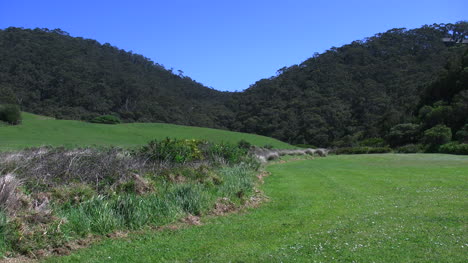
[361,208]
[37,131]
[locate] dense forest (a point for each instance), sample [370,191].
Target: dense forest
[51,73]
[353,92]
[379,87]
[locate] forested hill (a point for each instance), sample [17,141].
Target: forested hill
[341,96]
[353,92]
[51,73]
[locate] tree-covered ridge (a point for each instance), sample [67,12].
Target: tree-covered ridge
[345,95]
[350,93]
[51,73]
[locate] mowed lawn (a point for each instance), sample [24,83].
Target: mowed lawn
[38,131]
[361,208]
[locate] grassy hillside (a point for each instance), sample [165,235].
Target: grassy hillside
[37,130]
[367,208]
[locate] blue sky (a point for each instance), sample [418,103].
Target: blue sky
[228,45]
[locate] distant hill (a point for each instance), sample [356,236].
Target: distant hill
[350,93]
[353,92]
[51,73]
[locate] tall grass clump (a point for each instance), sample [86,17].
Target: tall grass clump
[238,181]
[73,193]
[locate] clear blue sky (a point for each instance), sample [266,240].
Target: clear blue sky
[228,44]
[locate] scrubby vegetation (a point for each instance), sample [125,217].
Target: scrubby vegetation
[106,119]
[51,196]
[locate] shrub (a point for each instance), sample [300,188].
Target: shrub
[410,148]
[173,150]
[373,142]
[229,153]
[436,136]
[244,144]
[106,119]
[462,134]
[10,113]
[454,148]
[362,150]
[183,151]
[402,134]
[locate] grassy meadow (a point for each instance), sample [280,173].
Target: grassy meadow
[38,130]
[347,208]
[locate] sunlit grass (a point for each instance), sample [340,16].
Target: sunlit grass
[38,130]
[367,208]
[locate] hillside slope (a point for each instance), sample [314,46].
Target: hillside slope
[352,92]
[38,130]
[51,73]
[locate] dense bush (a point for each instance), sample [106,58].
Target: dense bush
[462,134]
[410,148]
[106,119]
[224,152]
[436,136]
[182,151]
[373,142]
[10,113]
[173,150]
[402,134]
[244,144]
[362,150]
[454,148]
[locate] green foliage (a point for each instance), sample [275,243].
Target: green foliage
[362,150]
[373,142]
[106,119]
[182,151]
[10,113]
[454,148]
[436,136]
[244,144]
[173,150]
[72,194]
[462,134]
[410,148]
[402,134]
[230,153]
[238,182]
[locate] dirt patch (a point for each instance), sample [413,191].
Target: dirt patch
[261,175]
[223,206]
[192,220]
[21,259]
[118,234]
